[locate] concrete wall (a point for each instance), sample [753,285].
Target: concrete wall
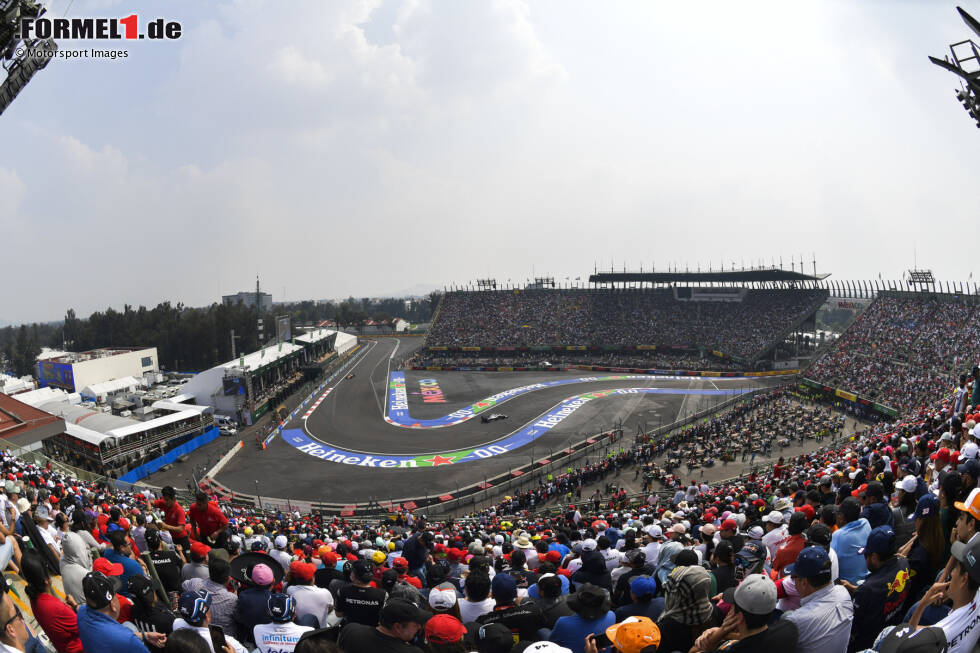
[99,370]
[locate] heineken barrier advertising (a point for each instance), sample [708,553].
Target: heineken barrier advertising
[398,415]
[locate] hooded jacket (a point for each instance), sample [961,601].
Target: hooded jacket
[76,561]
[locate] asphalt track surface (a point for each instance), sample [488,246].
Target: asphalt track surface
[352,417]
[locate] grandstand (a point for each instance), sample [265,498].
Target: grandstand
[739,322]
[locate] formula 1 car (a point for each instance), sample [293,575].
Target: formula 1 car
[350,376]
[493,417]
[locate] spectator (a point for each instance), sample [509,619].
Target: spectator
[280,635]
[823,620]
[56,618]
[592,615]
[399,623]
[97,625]
[359,601]
[476,600]
[747,625]
[208,523]
[313,604]
[148,614]
[195,614]
[849,540]
[223,604]
[879,601]
[687,608]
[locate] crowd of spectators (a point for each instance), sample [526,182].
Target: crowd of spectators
[635,359]
[607,317]
[902,351]
[865,543]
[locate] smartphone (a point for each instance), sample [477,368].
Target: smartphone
[601,641]
[217,638]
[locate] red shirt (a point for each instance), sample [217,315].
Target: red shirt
[787,552]
[172,516]
[59,622]
[208,520]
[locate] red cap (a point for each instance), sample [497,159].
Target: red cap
[400,562]
[200,549]
[729,525]
[553,556]
[108,568]
[943,454]
[444,629]
[330,558]
[807,510]
[302,571]
[123,523]
[858,491]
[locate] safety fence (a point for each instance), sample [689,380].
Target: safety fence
[598,368]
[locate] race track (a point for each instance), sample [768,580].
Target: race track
[387,434]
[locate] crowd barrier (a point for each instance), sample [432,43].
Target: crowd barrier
[830,391]
[598,368]
[144,470]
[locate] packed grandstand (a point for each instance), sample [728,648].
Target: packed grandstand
[864,541]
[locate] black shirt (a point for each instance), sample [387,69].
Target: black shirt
[358,637]
[324,575]
[156,620]
[167,564]
[777,637]
[523,620]
[361,605]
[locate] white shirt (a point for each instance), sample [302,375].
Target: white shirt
[612,558]
[962,627]
[278,638]
[652,551]
[773,538]
[470,610]
[180,624]
[313,600]
[823,620]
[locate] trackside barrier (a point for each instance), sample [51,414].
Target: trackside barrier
[218,466]
[344,363]
[857,400]
[596,368]
[489,488]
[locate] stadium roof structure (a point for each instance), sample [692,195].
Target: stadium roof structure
[22,424]
[760,275]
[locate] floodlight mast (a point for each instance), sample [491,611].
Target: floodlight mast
[21,58]
[965,64]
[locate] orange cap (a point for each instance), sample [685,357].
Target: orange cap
[972,503]
[633,634]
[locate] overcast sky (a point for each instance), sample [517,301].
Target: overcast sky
[368,147]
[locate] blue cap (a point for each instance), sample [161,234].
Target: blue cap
[193,606]
[503,586]
[928,506]
[971,467]
[812,561]
[880,540]
[282,608]
[643,586]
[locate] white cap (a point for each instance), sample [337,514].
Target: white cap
[654,531]
[774,517]
[281,541]
[589,545]
[969,450]
[755,533]
[908,483]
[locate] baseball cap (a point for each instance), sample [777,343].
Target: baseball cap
[503,586]
[643,586]
[378,557]
[141,586]
[442,597]
[729,525]
[881,539]
[99,589]
[494,638]
[755,533]
[362,571]
[589,545]
[909,483]
[634,634]
[262,575]
[969,450]
[972,503]
[106,568]
[282,607]
[755,595]
[969,555]
[906,639]
[200,549]
[971,467]
[811,562]
[397,611]
[819,533]
[193,606]
[302,571]
[655,531]
[774,517]
[928,506]
[281,541]
[444,629]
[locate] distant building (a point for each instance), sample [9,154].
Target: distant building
[248,298]
[74,371]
